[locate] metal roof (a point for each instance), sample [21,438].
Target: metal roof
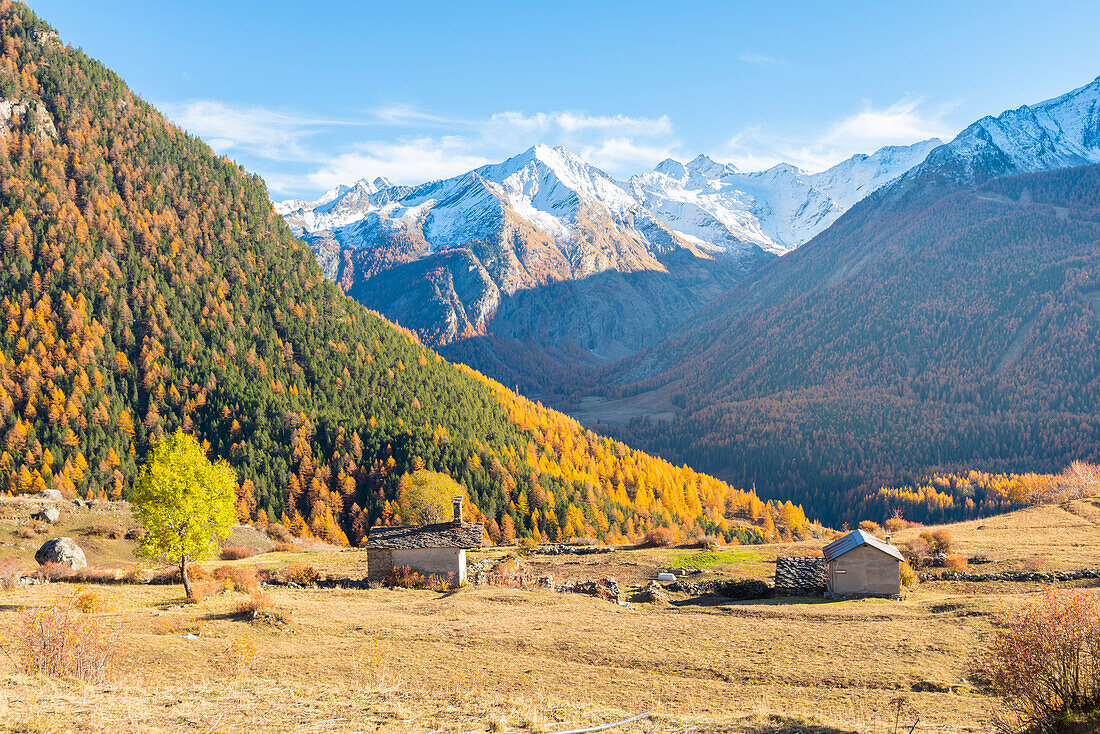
[855,539]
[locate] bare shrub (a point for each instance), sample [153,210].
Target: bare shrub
[238,578]
[105,529]
[659,538]
[26,532]
[284,548]
[257,603]
[1080,479]
[178,624]
[513,573]
[58,641]
[939,541]
[956,563]
[135,534]
[203,590]
[301,574]
[11,574]
[51,571]
[1044,662]
[279,533]
[917,552]
[407,578]
[95,575]
[1036,564]
[235,553]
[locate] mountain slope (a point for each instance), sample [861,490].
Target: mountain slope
[540,268]
[948,321]
[148,284]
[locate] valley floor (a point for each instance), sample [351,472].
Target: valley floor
[486,658]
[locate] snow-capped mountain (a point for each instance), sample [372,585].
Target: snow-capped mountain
[720,208]
[460,249]
[1059,133]
[541,217]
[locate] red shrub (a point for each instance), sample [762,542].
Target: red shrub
[238,578]
[959,564]
[235,553]
[1045,662]
[659,538]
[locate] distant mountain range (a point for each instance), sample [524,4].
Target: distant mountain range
[544,262]
[950,320]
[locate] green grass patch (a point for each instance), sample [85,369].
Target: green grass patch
[713,558]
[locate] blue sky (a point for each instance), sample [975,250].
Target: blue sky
[312,95]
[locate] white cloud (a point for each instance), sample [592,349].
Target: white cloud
[304,152]
[257,130]
[624,156]
[572,123]
[902,123]
[406,160]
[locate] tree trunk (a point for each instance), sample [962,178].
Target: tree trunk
[186,580]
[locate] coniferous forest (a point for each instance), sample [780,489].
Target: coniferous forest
[147,284]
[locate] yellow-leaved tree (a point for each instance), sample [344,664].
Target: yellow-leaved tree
[426,497]
[185,503]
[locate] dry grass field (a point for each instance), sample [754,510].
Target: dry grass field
[495,659]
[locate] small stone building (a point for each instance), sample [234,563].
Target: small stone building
[800,575]
[859,564]
[438,548]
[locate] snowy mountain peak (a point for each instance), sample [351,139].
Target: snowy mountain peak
[706,166]
[724,209]
[1060,132]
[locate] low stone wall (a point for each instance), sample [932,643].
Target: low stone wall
[1039,576]
[571,550]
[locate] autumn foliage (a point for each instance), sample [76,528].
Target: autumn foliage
[1045,663]
[147,285]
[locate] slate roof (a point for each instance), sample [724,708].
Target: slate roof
[436,535]
[855,539]
[804,574]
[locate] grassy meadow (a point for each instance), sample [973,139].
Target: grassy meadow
[488,658]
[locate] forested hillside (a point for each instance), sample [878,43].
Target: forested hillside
[932,329]
[147,284]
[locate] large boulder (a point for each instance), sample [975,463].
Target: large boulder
[50,494]
[47,514]
[61,550]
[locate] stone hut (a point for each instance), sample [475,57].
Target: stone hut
[800,576]
[437,548]
[859,564]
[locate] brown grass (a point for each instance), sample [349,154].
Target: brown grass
[493,658]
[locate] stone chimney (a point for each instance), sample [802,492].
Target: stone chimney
[458,510]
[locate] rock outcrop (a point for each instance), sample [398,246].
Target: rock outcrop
[63,551]
[47,514]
